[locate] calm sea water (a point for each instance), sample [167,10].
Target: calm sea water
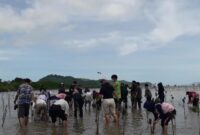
[133,123]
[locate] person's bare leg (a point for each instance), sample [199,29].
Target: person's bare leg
[64,123]
[107,118]
[165,130]
[116,118]
[26,121]
[22,122]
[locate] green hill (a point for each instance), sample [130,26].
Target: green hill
[53,81]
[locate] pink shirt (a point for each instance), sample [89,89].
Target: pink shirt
[166,107]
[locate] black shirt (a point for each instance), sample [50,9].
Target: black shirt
[107,91]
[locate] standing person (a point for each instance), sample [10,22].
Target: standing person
[109,106]
[139,95]
[88,98]
[133,94]
[59,109]
[62,88]
[78,102]
[24,97]
[161,91]
[44,91]
[117,92]
[71,90]
[148,94]
[124,94]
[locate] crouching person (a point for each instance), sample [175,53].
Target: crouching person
[164,112]
[41,108]
[59,109]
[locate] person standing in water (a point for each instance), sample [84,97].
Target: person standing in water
[148,94]
[24,97]
[124,94]
[78,101]
[109,106]
[133,94]
[161,91]
[117,93]
[139,95]
[62,88]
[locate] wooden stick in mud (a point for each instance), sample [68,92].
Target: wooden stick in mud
[4,115]
[3,103]
[97,119]
[124,118]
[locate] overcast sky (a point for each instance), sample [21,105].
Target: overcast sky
[143,40]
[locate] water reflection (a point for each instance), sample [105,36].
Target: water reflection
[134,122]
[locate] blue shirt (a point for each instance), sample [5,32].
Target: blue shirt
[25,94]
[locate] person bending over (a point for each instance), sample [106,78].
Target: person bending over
[161,111]
[59,109]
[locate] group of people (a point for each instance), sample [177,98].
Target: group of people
[109,98]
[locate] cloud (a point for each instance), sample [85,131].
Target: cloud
[46,13]
[48,21]
[171,20]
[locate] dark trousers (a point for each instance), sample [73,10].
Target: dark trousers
[78,106]
[161,97]
[139,102]
[124,99]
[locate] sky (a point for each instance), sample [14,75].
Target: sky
[143,40]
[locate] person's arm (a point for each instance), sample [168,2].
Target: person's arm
[16,97]
[101,93]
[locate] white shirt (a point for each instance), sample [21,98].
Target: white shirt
[88,96]
[64,105]
[41,99]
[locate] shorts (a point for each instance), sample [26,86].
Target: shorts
[109,106]
[167,117]
[56,111]
[39,108]
[23,110]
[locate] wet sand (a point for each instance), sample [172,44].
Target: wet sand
[133,123]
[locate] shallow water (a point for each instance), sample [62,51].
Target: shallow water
[134,122]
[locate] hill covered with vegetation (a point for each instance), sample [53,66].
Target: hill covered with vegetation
[49,82]
[52,82]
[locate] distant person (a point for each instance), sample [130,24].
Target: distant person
[164,111]
[124,94]
[88,98]
[133,94]
[62,88]
[59,109]
[24,97]
[139,95]
[96,100]
[161,94]
[87,90]
[148,93]
[78,102]
[44,91]
[117,92]
[109,106]
[71,90]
